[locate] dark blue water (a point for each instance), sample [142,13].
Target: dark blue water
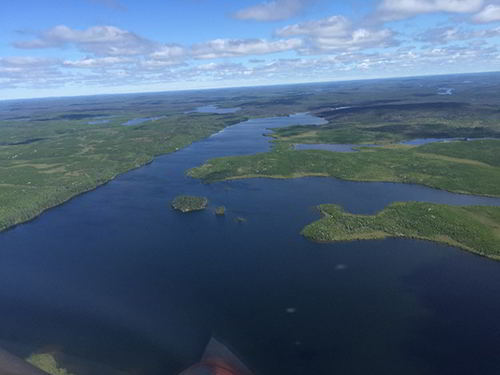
[117,277]
[424,141]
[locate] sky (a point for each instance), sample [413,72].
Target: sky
[83,47]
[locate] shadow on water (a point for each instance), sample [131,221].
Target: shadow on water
[117,277]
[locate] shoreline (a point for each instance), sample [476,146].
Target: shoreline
[58,200]
[76,195]
[438,223]
[414,238]
[303,175]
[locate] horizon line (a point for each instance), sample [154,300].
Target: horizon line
[247,86]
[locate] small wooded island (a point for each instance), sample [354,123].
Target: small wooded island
[220,211]
[188,203]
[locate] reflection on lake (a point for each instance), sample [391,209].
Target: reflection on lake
[117,277]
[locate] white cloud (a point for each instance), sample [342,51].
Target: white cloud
[391,10]
[491,13]
[104,73]
[110,56]
[26,61]
[337,33]
[441,35]
[242,47]
[22,71]
[327,27]
[169,52]
[166,55]
[444,35]
[99,40]
[272,10]
[89,62]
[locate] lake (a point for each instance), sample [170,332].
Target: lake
[115,277]
[214,109]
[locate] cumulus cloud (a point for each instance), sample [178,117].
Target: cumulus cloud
[327,48]
[392,10]
[89,62]
[331,26]
[99,40]
[106,72]
[242,47]
[169,52]
[26,61]
[24,66]
[441,35]
[23,71]
[272,10]
[337,33]
[491,13]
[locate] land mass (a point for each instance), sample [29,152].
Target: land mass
[220,211]
[48,162]
[470,167]
[473,228]
[47,362]
[189,203]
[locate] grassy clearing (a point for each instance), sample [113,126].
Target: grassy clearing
[420,165]
[484,151]
[46,362]
[476,228]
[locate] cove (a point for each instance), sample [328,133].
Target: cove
[116,277]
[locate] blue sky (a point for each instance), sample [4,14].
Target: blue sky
[79,47]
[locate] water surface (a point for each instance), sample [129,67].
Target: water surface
[215,109]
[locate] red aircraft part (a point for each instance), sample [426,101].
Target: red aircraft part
[218,360]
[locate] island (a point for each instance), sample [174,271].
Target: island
[189,203]
[220,211]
